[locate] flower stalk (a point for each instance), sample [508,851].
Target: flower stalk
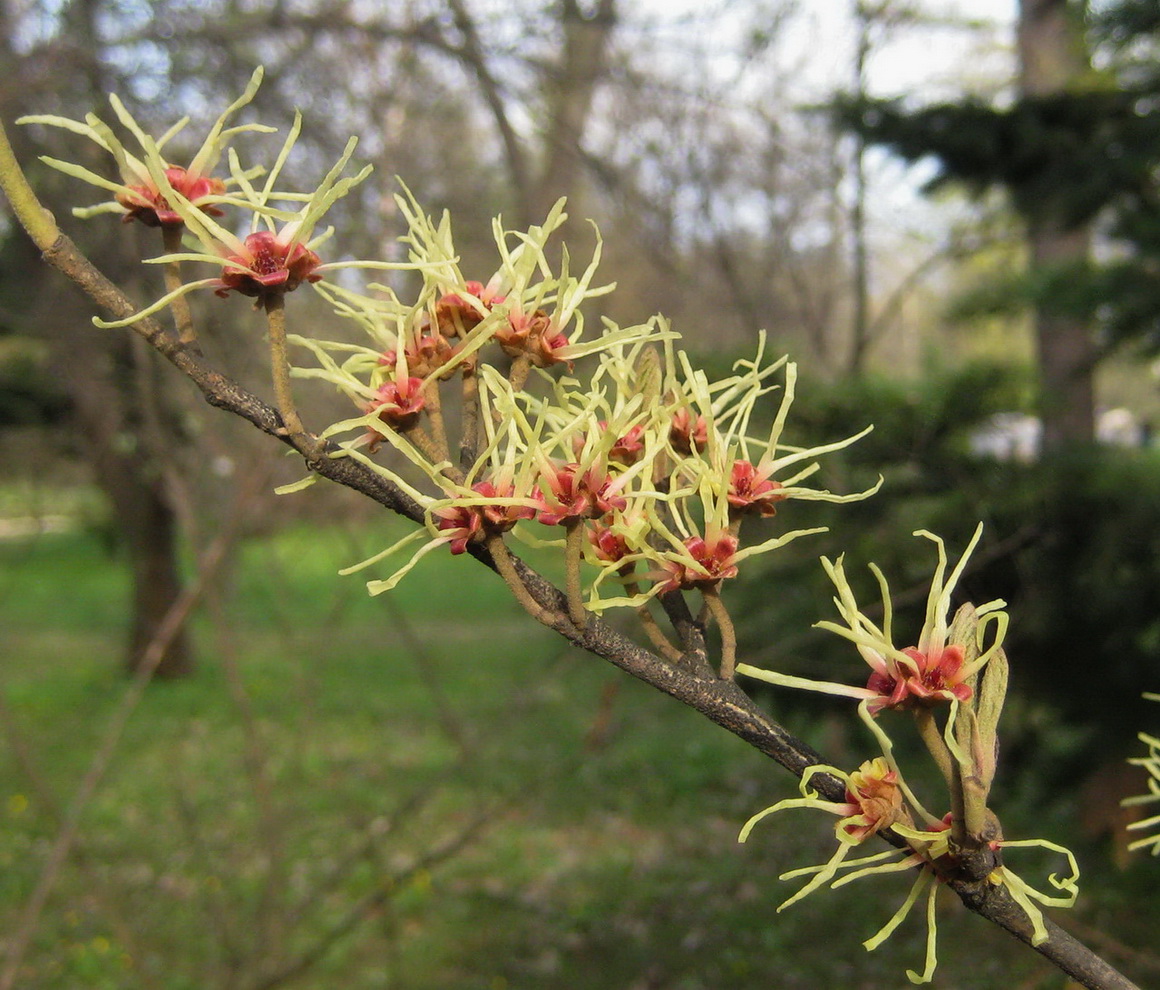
[724,622]
[182,317]
[280,365]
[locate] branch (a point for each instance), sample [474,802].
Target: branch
[719,700]
[471,54]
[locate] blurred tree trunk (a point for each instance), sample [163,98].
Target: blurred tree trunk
[570,86]
[1052,60]
[97,370]
[108,416]
[860,256]
[541,176]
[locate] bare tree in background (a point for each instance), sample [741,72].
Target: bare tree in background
[118,412]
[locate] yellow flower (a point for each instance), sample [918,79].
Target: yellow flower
[149,177]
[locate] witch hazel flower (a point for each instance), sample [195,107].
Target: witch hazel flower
[398,404]
[749,492]
[933,671]
[629,422]
[610,542]
[466,514]
[688,432]
[569,492]
[570,444]
[148,178]
[400,343]
[710,432]
[529,306]
[754,489]
[701,563]
[270,262]
[456,305]
[705,413]
[431,247]
[497,493]
[875,799]
[688,544]
[458,313]
[498,510]
[425,354]
[1151,764]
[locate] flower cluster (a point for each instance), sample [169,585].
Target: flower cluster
[957,666]
[877,799]
[645,464]
[645,467]
[275,258]
[611,446]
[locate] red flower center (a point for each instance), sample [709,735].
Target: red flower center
[268,267]
[146,204]
[928,679]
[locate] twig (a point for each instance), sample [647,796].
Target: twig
[275,306]
[212,902]
[110,905]
[469,419]
[728,636]
[573,552]
[413,645]
[518,376]
[651,627]
[271,830]
[442,449]
[503,561]
[690,632]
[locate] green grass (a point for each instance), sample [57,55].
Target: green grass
[250,808]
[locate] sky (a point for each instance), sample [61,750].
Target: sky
[932,60]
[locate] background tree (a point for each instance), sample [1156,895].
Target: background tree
[119,420]
[1077,147]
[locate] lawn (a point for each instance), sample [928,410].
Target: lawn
[421,791]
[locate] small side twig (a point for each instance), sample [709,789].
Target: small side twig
[724,622]
[365,908]
[573,553]
[275,307]
[501,556]
[469,420]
